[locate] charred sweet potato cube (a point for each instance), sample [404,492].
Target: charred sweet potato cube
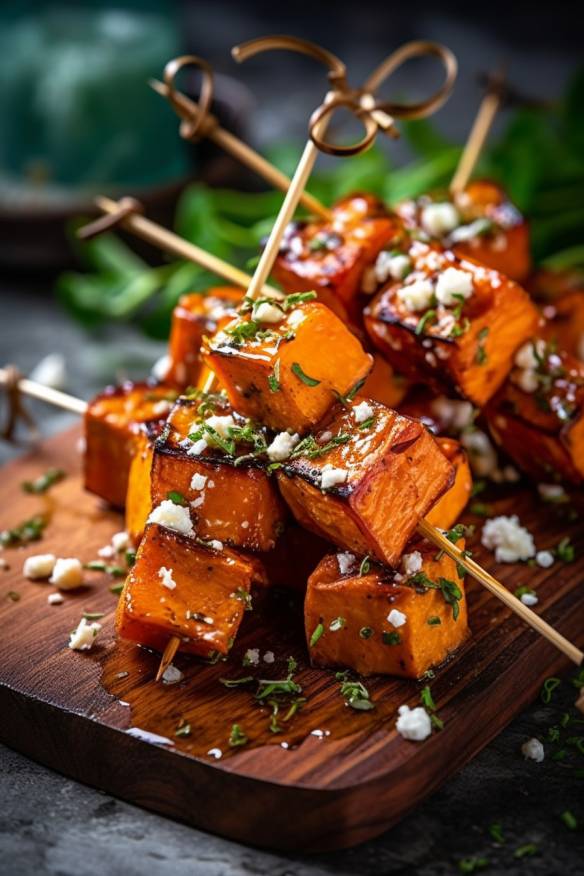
[113,423]
[196,315]
[235,502]
[537,416]
[287,373]
[331,257]
[138,498]
[450,506]
[373,620]
[451,323]
[178,587]
[564,323]
[365,479]
[479,223]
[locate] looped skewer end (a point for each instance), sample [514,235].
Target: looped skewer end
[125,207]
[197,121]
[17,411]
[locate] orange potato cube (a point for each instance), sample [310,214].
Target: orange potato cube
[382,621]
[196,315]
[113,423]
[450,506]
[286,374]
[138,499]
[451,323]
[331,257]
[365,480]
[564,323]
[538,414]
[179,587]
[236,503]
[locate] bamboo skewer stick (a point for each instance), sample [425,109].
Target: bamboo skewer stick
[476,140]
[47,394]
[242,152]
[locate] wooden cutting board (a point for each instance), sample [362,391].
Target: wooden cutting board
[335,777]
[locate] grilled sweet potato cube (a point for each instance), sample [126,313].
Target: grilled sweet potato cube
[479,223]
[451,323]
[538,414]
[113,423]
[178,587]
[564,323]
[286,374]
[382,621]
[331,257]
[235,503]
[365,480]
[196,315]
[450,506]
[138,499]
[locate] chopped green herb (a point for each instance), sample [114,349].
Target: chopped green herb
[427,699]
[496,832]
[274,377]
[365,567]
[176,498]
[116,589]
[317,633]
[569,820]
[292,666]
[93,615]
[549,686]
[472,865]
[183,728]
[478,487]
[299,373]
[236,682]
[365,632]
[526,851]
[44,482]
[244,596]
[457,532]
[337,624]
[452,594]
[481,509]
[291,301]
[427,317]
[130,558]
[273,725]
[30,530]
[481,353]
[246,330]
[524,590]
[565,551]
[355,694]
[237,736]
[278,687]
[434,621]
[366,424]
[390,638]
[350,395]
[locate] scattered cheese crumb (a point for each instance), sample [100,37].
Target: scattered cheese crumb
[198,481]
[55,598]
[396,618]
[38,566]
[526,357]
[252,657]
[165,576]
[161,408]
[107,552]
[413,724]
[295,318]
[468,232]
[454,415]
[345,561]
[171,675]
[266,312]
[552,492]
[412,563]
[362,412]
[394,265]
[545,559]
[196,503]
[269,657]
[510,541]
[417,295]
[533,750]
[216,544]
[172,516]
[438,219]
[120,542]
[526,380]
[83,638]
[451,283]
[331,476]
[282,446]
[529,599]
[198,447]
[221,424]
[482,455]
[161,368]
[67,573]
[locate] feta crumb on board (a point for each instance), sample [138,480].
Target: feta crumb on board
[331,476]
[441,218]
[166,578]
[396,618]
[362,412]
[83,638]
[545,559]
[414,724]
[55,599]
[171,675]
[269,657]
[417,295]
[345,561]
[482,455]
[452,283]
[533,750]
[454,415]
[509,540]
[39,566]
[282,446]
[67,573]
[529,599]
[172,516]
[120,542]
[252,657]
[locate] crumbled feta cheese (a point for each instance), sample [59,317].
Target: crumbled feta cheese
[396,618]
[166,578]
[55,598]
[417,295]
[345,561]
[394,265]
[533,750]
[529,599]
[161,368]
[198,447]
[161,408]
[221,424]
[510,541]
[545,559]
[331,476]
[120,542]
[412,563]
[526,357]
[451,283]
[107,552]
[362,412]
[295,318]
[269,657]
[482,455]
[438,219]
[526,380]
[414,723]
[67,574]
[266,312]
[453,415]
[552,492]
[464,233]
[216,544]
[198,481]
[172,516]
[196,503]
[171,675]
[252,657]
[50,371]
[83,638]
[39,566]
[282,446]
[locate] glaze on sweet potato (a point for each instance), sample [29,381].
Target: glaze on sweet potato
[238,504]
[204,608]
[138,501]
[470,352]
[450,506]
[289,378]
[394,472]
[196,315]
[331,257]
[543,430]
[353,610]
[113,423]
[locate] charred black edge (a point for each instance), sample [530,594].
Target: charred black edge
[383,313]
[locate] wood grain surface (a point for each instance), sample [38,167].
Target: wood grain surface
[335,777]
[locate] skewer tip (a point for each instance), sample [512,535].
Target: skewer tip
[158,86]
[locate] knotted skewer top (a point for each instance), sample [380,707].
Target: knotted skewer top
[373,113]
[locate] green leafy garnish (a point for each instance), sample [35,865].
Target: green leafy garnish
[390,638]
[299,373]
[549,686]
[237,737]
[350,395]
[365,632]
[236,682]
[433,621]
[274,377]
[496,832]
[44,482]
[473,865]
[183,729]
[424,320]
[355,693]
[565,551]
[526,851]
[481,353]
[569,820]
[317,633]
[176,498]
[31,530]
[365,567]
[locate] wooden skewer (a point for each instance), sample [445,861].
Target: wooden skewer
[244,153]
[476,140]
[47,394]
